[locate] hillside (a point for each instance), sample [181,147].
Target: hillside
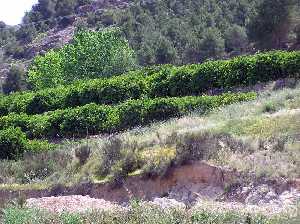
[160,32]
[258,162]
[165,111]
[174,150]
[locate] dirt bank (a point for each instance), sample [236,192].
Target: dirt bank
[185,184]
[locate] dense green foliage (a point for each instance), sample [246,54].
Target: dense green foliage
[50,10]
[90,55]
[94,119]
[13,143]
[187,31]
[165,31]
[270,27]
[159,81]
[182,31]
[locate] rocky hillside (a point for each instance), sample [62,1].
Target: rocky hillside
[63,32]
[151,112]
[52,37]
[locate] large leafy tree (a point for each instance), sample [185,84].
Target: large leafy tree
[91,54]
[270,27]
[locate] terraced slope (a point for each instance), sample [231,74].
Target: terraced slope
[161,81]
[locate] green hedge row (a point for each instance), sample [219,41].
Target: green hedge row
[94,119]
[13,143]
[161,81]
[133,85]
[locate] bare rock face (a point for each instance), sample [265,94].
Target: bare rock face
[53,39]
[184,184]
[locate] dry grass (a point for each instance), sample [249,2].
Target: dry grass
[269,163]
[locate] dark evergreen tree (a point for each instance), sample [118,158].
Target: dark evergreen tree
[15,80]
[236,39]
[212,45]
[269,29]
[26,33]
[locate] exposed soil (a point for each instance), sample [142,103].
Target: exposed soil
[184,186]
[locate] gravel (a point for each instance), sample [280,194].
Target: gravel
[71,204]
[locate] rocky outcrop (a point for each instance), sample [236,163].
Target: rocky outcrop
[53,39]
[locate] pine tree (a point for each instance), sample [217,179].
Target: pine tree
[270,27]
[15,80]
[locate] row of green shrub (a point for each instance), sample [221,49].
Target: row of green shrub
[101,91]
[159,81]
[14,142]
[94,119]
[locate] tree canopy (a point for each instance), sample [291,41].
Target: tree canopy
[269,29]
[92,54]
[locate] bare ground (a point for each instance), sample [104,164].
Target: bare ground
[190,186]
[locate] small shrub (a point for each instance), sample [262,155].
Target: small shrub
[15,80]
[117,161]
[68,218]
[40,166]
[157,162]
[275,144]
[37,146]
[21,200]
[118,174]
[196,146]
[110,153]
[13,143]
[82,153]
[269,108]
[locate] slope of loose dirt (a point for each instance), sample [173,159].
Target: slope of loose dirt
[187,185]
